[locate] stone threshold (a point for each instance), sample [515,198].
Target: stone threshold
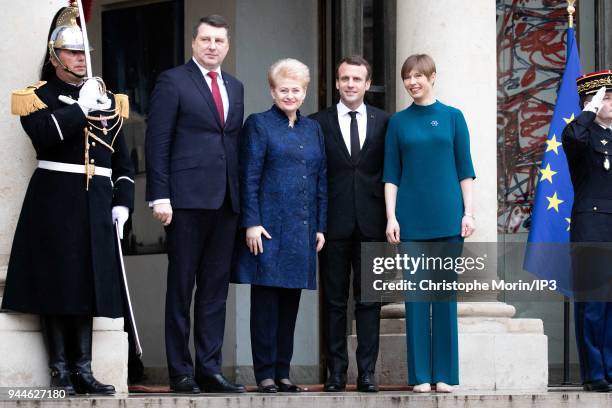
[557,398]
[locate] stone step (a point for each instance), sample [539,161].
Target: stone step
[390,399]
[487,361]
[23,358]
[28,322]
[464,309]
[471,325]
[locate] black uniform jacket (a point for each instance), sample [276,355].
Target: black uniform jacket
[63,259]
[355,191]
[587,146]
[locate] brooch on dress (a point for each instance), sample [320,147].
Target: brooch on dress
[434,123]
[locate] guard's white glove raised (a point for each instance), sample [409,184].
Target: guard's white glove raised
[91,98]
[120,216]
[597,101]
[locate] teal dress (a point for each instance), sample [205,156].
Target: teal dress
[427,154]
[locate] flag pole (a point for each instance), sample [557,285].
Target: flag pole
[79,5]
[566,302]
[570,12]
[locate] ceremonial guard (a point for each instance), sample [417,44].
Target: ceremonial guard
[63,264]
[587,142]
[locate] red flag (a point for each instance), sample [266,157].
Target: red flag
[87,5]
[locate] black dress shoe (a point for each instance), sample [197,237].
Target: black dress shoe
[366,383]
[218,383]
[335,383]
[267,389]
[284,387]
[597,386]
[185,385]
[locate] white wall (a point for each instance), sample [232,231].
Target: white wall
[266,31]
[24,33]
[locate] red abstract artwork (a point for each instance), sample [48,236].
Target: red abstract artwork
[530,61]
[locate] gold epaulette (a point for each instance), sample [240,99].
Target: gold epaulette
[25,101]
[122,105]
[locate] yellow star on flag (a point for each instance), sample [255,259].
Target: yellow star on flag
[547,173]
[569,223]
[568,120]
[552,144]
[553,202]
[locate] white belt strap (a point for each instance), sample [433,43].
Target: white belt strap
[72,168]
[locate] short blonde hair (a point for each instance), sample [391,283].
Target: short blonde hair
[288,68]
[423,63]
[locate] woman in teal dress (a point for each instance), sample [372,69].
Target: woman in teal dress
[428,178]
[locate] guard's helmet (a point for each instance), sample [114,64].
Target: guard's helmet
[67,38]
[67,35]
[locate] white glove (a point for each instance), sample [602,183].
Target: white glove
[91,98]
[120,216]
[597,101]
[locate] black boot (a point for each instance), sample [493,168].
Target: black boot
[82,378]
[52,328]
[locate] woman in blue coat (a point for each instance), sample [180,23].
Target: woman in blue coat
[284,209]
[428,179]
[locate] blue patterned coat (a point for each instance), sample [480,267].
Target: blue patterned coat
[283,188]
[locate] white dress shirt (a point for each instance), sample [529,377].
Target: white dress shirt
[344,119]
[221,83]
[224,99]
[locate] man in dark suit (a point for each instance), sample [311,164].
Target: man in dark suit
[354,141]
[192,185]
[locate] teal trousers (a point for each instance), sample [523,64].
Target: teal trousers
[431,341]
[431,324]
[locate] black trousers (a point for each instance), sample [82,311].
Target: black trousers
[200,246]
[273,315]
[335,263]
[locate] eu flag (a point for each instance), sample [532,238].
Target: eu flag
[547,256]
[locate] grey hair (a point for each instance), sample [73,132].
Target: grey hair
[289,68]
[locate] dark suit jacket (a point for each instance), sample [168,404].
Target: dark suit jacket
[356,192]
[190,157]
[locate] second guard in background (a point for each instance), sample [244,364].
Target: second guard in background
[587,142]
